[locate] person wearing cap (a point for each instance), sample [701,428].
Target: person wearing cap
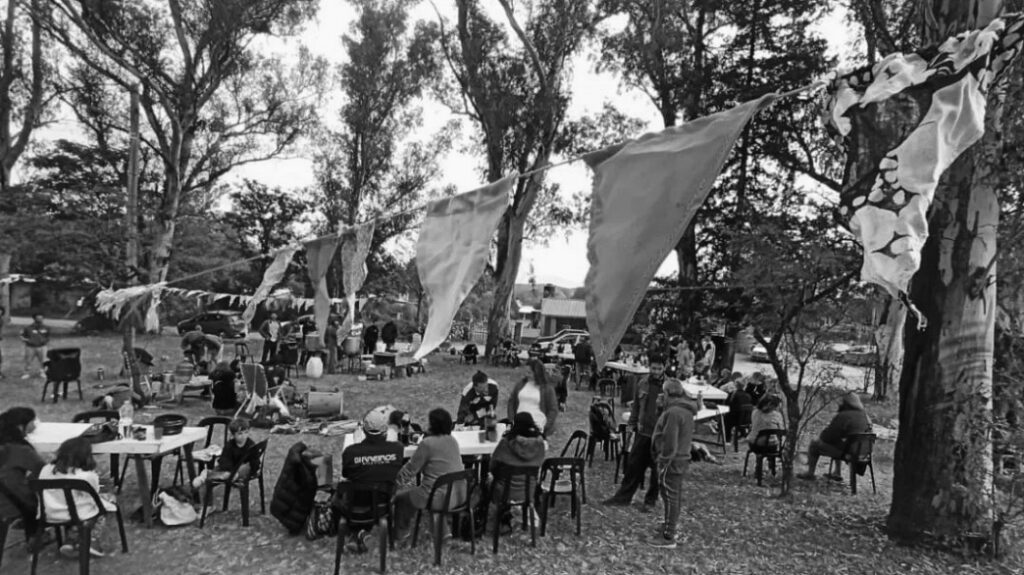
[642,418]
[479,398]
[850,419]
[672,436]
[372,459]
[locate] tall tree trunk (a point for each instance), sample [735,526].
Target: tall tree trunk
[889,348]
[943,461]
[5,288]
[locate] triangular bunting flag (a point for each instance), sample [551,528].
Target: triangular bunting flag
[452,252]
[645,194]
[271,277]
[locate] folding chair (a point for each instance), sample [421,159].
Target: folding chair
[257,391]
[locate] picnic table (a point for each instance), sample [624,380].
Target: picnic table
[716,412]
[470,441]
[693,386]
[48,436]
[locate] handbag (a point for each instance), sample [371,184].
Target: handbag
[320,521]
[101,432]
[175,511]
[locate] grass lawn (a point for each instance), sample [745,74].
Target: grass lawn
[728,526]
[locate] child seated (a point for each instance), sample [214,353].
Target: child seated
[237,454]
[74,460]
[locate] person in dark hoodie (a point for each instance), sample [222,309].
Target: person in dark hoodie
[19,462]
[672,438]
[522,446]
[850,419]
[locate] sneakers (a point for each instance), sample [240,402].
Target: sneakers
[615,501]
[659,541]
[71,552]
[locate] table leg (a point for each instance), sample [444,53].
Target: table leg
[721,432]
[156,465]
[144,491]
[190,464]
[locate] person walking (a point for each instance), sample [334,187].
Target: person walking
[672,436]
[270,329]
[642,420]
[36,337]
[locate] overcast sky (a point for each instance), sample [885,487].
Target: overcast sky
[563,260]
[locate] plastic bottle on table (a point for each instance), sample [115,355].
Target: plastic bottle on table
[127,415]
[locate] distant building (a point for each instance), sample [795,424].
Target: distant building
[559,314]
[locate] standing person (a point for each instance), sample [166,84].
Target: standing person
[370,339]
[436,455]
[684,358]
[583,354]
[331,343]
[479,398]
[389,335]
[36,337]
[851,418]
[535,395]
[707,356]
[19,462]
[270,330]
[642,419]
[672,436]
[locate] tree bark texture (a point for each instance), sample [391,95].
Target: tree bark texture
[943,459]
[889,345]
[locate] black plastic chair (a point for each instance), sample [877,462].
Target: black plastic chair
[449,483]
[103,415]
[857,450]
[27,518]
[210,423]
[255,473]
[553,482]
[768,444]
[352,518]
[84,525]
[611,445]
[576,446]
[741,425]
[63,365]
[288,358]
[504,476]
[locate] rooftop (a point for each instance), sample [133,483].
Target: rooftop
[563,308]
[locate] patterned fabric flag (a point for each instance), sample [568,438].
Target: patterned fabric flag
[271,277]
[319,254]
[355,246]
[645,194]
[891,217]
[452,252]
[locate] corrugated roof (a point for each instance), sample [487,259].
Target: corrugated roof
[563,307]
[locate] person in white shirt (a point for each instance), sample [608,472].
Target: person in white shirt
[535,395]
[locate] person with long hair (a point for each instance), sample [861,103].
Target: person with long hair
[766,416]
[436,455]
[19,462]
[522,446]
[74,460]
[535,395]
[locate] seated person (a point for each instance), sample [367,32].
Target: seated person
[372,459]
[478,398]
[724,377]
[238,453]
[756,386]
[74,460]
[437,454]
[851,418]
[522,446]
[400,422]
[737,401]
[766,416]
[470,353]
[225,393]
[733,383]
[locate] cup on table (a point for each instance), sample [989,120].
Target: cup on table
[158,432]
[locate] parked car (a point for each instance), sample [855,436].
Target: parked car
[567,338]
[833,351]
[223,323]
[860,355]
[759,353]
